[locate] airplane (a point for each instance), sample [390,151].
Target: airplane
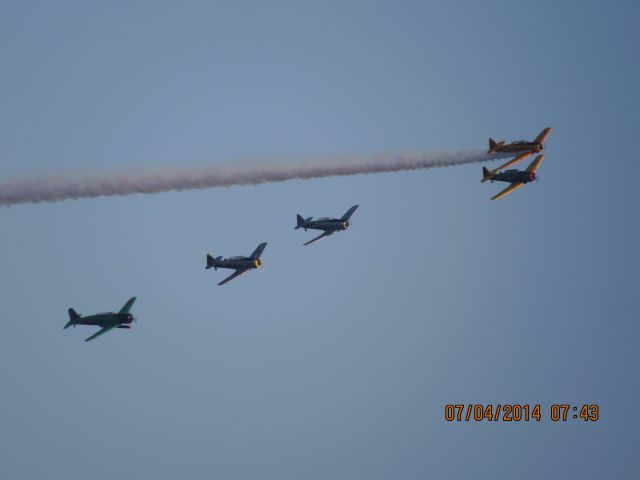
[517,178]
[240,264]
[329,225]
[522,147]
[107,321]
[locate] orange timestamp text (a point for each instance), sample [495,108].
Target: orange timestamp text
[516,412]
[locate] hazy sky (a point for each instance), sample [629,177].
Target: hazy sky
[335,360]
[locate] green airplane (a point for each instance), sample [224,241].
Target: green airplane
[108,321]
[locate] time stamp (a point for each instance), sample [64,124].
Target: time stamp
[514,412]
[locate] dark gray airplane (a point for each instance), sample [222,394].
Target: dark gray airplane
[240,264]
[516,178]
[108,321]
[327,224]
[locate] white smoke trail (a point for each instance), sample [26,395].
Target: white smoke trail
[54,189]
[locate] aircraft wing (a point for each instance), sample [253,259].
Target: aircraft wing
[234,275]
[258,251]
[513,161]
[101,332]
[543,135]
[514,186]
[349,212]
[533,166]
[320,237]
[128,305]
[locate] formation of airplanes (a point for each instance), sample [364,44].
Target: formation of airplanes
[328,225]
[240,264]
[523,149]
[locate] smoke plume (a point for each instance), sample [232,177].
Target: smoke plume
[57,188]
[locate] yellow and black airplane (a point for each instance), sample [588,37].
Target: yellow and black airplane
[523,148]
[240,263]
[517,178]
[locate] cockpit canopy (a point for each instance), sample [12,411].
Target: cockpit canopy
[237,257]
[323,219]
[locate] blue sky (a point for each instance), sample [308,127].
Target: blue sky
[335,360]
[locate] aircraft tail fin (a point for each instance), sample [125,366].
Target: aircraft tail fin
[73,318]
[486,174]
[300,222]
[210,262]
[494,146]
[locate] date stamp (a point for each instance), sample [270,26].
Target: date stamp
[518,412]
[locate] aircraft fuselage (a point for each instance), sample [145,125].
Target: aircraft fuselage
[329,224]
[105,319]
[236,263]
[520,147]
[514,176]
